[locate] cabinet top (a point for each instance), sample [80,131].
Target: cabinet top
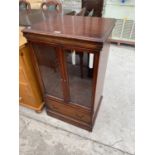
[93,29]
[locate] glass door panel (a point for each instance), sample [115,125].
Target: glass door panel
[49,69]
[80,77]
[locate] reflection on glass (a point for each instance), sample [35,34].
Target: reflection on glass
[80,81]
[49,68]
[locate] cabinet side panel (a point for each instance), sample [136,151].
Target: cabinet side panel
[101,75]
[32,76]
[29,88]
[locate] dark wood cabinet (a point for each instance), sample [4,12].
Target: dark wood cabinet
[63,48]
[95,5]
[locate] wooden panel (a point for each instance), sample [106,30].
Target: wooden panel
[101,74]
[29,89]
[70,120]
[25,93]
[67,110]
[74,28]
[30,73]
[22,77]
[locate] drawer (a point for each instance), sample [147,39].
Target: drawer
[68,110]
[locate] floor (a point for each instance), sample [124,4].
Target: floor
[113,133]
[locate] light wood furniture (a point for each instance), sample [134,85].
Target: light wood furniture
[29,91]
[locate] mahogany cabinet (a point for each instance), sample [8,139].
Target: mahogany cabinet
[63,48]
[29,90]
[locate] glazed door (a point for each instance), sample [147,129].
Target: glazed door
[66,74]
[49,68]
[79,66]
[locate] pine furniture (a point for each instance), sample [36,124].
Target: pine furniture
[29,90]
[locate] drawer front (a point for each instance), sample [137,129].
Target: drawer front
[67,110]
